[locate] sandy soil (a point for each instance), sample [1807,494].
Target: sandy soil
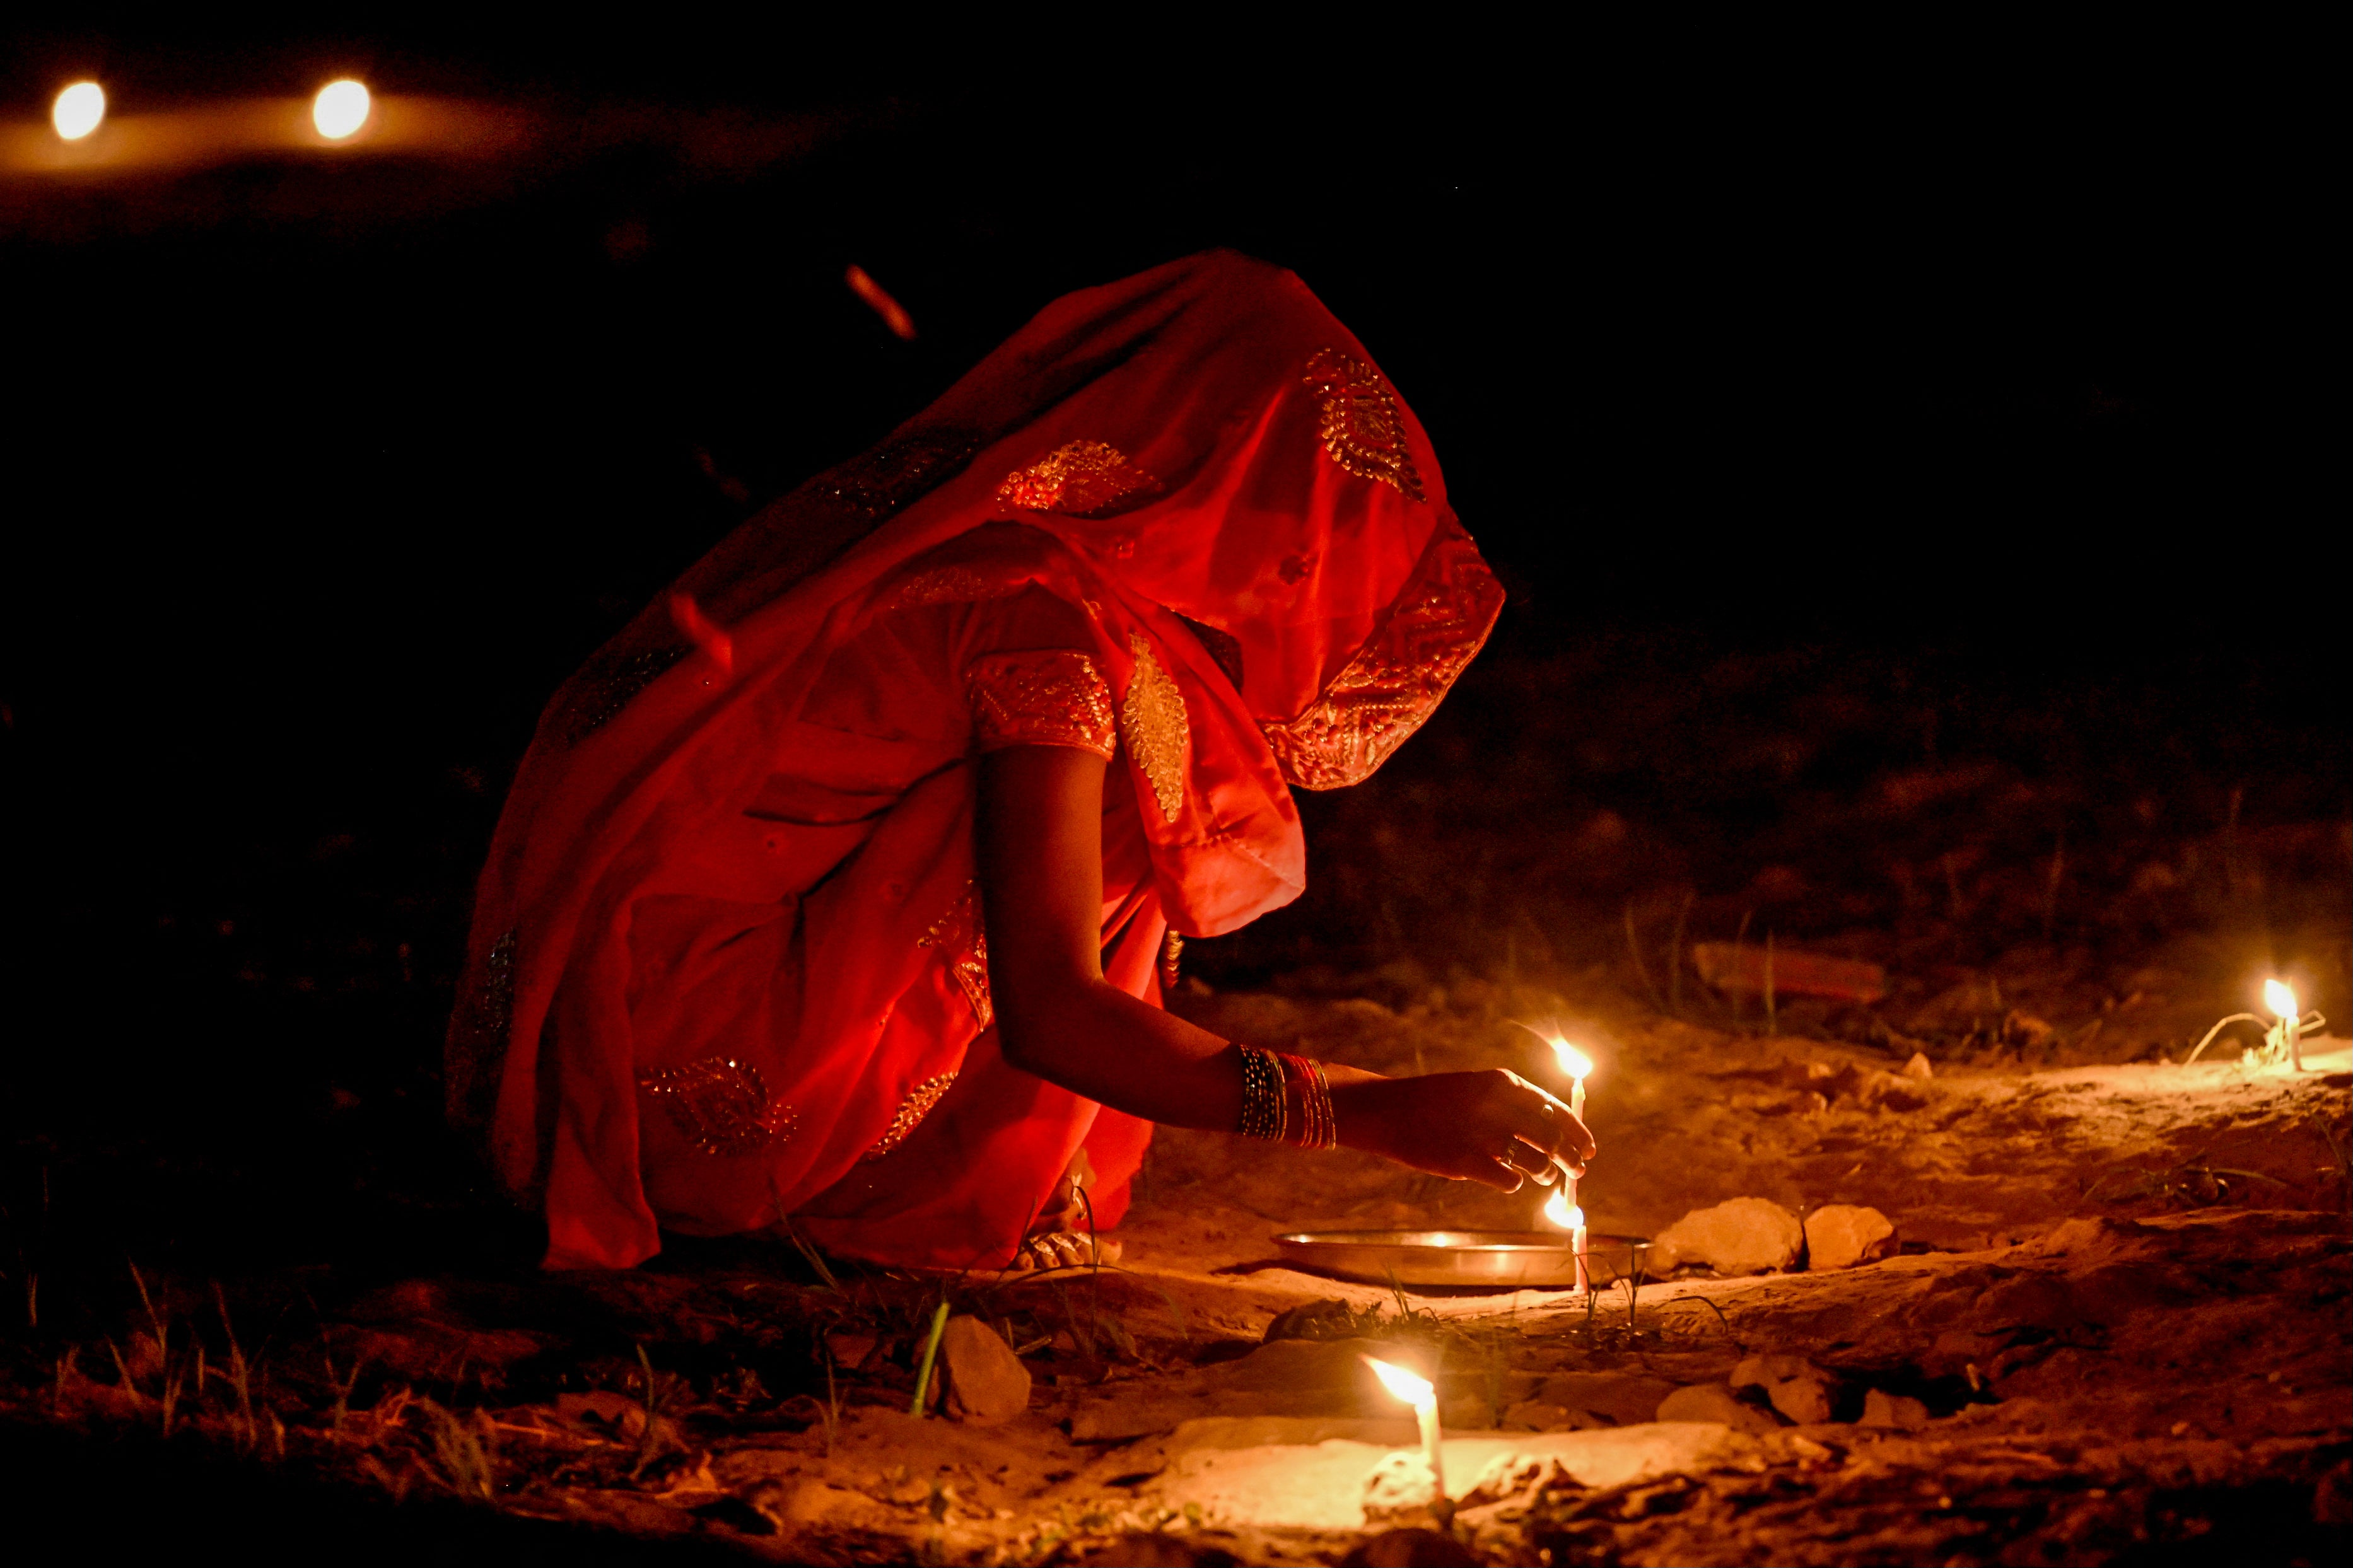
[2119,1302]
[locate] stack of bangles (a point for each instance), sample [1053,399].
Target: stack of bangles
[1269,1079]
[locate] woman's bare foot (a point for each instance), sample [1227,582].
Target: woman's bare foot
[1063,1249]
[1061,1236]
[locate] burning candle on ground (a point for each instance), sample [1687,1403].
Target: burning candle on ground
[2280,997]
[1418,1391]
[1561,1212]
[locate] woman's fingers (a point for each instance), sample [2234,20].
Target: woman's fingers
[1549,1125]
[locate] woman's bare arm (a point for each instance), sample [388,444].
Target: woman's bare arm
[1041,852]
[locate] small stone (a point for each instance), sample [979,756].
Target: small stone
[1745,1236]
[1331,1319]
[1839,1236]
[1919,1065]
[1799,1389]
[1884,1409]
[849,1351]
[1714,1402]
[986,1382]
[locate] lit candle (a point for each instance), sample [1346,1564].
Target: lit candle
[1576,1065]
[2280,997]
[1418,1393]
[1563,1211]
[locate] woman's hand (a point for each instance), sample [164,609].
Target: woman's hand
[1494,1127]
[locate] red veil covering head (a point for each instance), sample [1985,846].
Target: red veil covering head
[1200,460]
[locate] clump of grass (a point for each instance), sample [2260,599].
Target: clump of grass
[464,1452]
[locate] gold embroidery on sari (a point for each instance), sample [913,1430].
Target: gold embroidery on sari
[721,1105]
[910,1114]
[1050,698]
[1078,478]
[952,586]
[1172,954]
[1151,720]
[1437,624]
[963,937]
[1362,428]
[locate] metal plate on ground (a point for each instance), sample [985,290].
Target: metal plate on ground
[1529,1260]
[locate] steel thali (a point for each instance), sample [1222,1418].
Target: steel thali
[1526,1258]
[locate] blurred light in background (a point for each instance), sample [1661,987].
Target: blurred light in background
[78,109]
[339,109]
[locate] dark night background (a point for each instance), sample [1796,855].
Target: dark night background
[1820,433]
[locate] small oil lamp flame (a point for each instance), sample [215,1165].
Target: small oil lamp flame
[2280,997]
[1416,1391]
[1574,1062]
[1571,1218]
[1413,1390]
[2283,1043]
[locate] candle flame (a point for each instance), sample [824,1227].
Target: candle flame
[340,109]
[78,110]
[2280,997]
[1561,1213]
[1573,1062]
[1415,1391]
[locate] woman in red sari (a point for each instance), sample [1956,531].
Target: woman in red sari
[836,889]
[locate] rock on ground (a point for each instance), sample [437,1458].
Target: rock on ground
[1714,1402]
[986,1382]
[1744,1235]
[1881,1408]
[1799,1389]
[1839,1236]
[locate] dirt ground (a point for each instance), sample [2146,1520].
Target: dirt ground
[2119,1300]
[249,1295]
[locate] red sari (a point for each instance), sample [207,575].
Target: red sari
[728,961]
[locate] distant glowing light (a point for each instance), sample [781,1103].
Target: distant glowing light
[2280,997]
[78,109]
[340,109]
[1559,1211]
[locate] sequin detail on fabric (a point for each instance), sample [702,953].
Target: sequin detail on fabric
[1049,697]
[953,586]
[721,1105]
[961,933]
[478,1046]
[607,684]
[1361,427]
[1078,478]
[1151,720]
[910,1114]
[1436,626]
[894,475]
[837,508]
